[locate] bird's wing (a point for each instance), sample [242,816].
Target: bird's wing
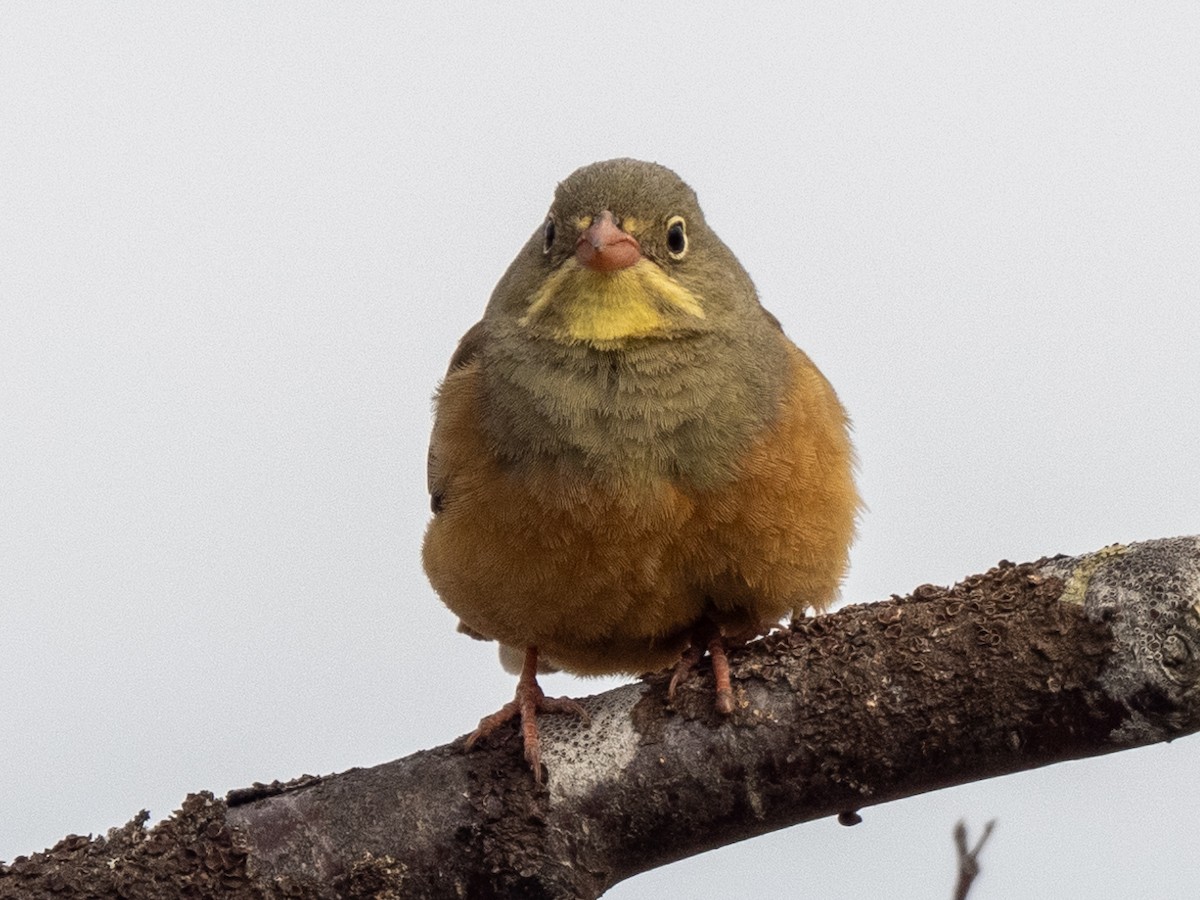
[466,351]
[465,354]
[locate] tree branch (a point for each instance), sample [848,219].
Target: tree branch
[968,858]
[1021,667]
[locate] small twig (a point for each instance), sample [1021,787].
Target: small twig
[968,860]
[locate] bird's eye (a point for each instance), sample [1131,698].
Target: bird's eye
[677,242]
[549,235]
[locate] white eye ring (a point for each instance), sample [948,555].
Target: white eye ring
[549,236]
[677,240]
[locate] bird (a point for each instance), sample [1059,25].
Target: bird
[631,465]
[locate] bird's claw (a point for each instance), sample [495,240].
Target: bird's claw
[683,670]
[528,702]
[720,663]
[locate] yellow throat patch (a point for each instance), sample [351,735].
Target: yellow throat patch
[577,304]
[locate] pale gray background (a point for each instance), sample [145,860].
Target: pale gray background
[237,245]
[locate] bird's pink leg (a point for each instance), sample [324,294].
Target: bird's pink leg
[528,702]
[720,663]
[705,636]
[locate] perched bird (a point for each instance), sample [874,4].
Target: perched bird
[630,463]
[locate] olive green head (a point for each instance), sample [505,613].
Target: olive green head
[624,255]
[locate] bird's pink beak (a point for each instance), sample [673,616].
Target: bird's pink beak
[606,248]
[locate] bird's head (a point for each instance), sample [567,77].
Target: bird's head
[623,255]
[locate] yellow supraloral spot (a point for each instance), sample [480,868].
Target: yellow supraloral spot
[583,223]
[578,304]
[633,226]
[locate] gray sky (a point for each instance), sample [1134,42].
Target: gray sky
[238,243]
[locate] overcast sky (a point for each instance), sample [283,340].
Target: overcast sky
[238,244]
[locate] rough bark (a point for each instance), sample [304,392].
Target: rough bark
[1020,667]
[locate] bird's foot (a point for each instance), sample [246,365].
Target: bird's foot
[683,669]
[705,637]
[528,702]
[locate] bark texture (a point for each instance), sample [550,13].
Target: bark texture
[1020,667]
